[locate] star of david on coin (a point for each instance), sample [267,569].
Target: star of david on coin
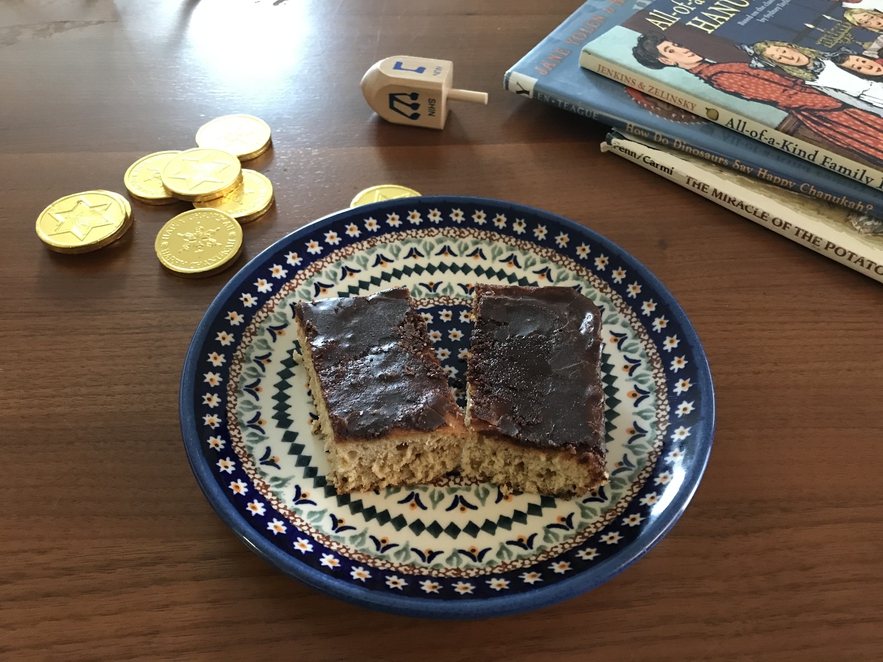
[241,138]
[84,222]
[201,174]
[81,219]
[247,202]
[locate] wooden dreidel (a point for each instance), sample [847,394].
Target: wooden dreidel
[414,90]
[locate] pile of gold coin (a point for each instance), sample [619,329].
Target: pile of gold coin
[198,242]
[224,195]
[208,238]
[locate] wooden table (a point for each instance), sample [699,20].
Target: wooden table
[108,549]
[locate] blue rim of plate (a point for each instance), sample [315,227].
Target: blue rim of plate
[666,511]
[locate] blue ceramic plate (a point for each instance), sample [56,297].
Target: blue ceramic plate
[453,549]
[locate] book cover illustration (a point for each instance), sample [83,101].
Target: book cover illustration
[805,76]
[550,73]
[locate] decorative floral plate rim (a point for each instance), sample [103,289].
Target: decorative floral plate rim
[676,492]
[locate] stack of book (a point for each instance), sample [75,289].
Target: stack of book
[771,109]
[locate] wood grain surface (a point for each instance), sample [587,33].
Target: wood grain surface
[108,549]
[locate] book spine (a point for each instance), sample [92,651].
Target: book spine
[768,174]
[818,188]
[720,115]
[788,221]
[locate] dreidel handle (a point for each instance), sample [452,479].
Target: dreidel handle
[468,95]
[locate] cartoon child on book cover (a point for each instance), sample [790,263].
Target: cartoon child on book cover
[868,18]
[840,74]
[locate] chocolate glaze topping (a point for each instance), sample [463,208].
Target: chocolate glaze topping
[535,368]
[375,365]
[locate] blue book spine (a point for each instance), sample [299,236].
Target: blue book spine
[550,72]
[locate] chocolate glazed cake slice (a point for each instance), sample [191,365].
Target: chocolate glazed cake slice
[385,408]
[534,393]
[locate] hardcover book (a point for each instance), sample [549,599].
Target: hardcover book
[802,76]
[550,73]
[815,224]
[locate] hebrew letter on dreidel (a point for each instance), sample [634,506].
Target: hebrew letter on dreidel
[395,100]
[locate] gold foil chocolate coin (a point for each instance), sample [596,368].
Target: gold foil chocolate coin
[201,174]
[244,136]
[143,179]
[199,242]
[84,222]
[380,193]
[248,201]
